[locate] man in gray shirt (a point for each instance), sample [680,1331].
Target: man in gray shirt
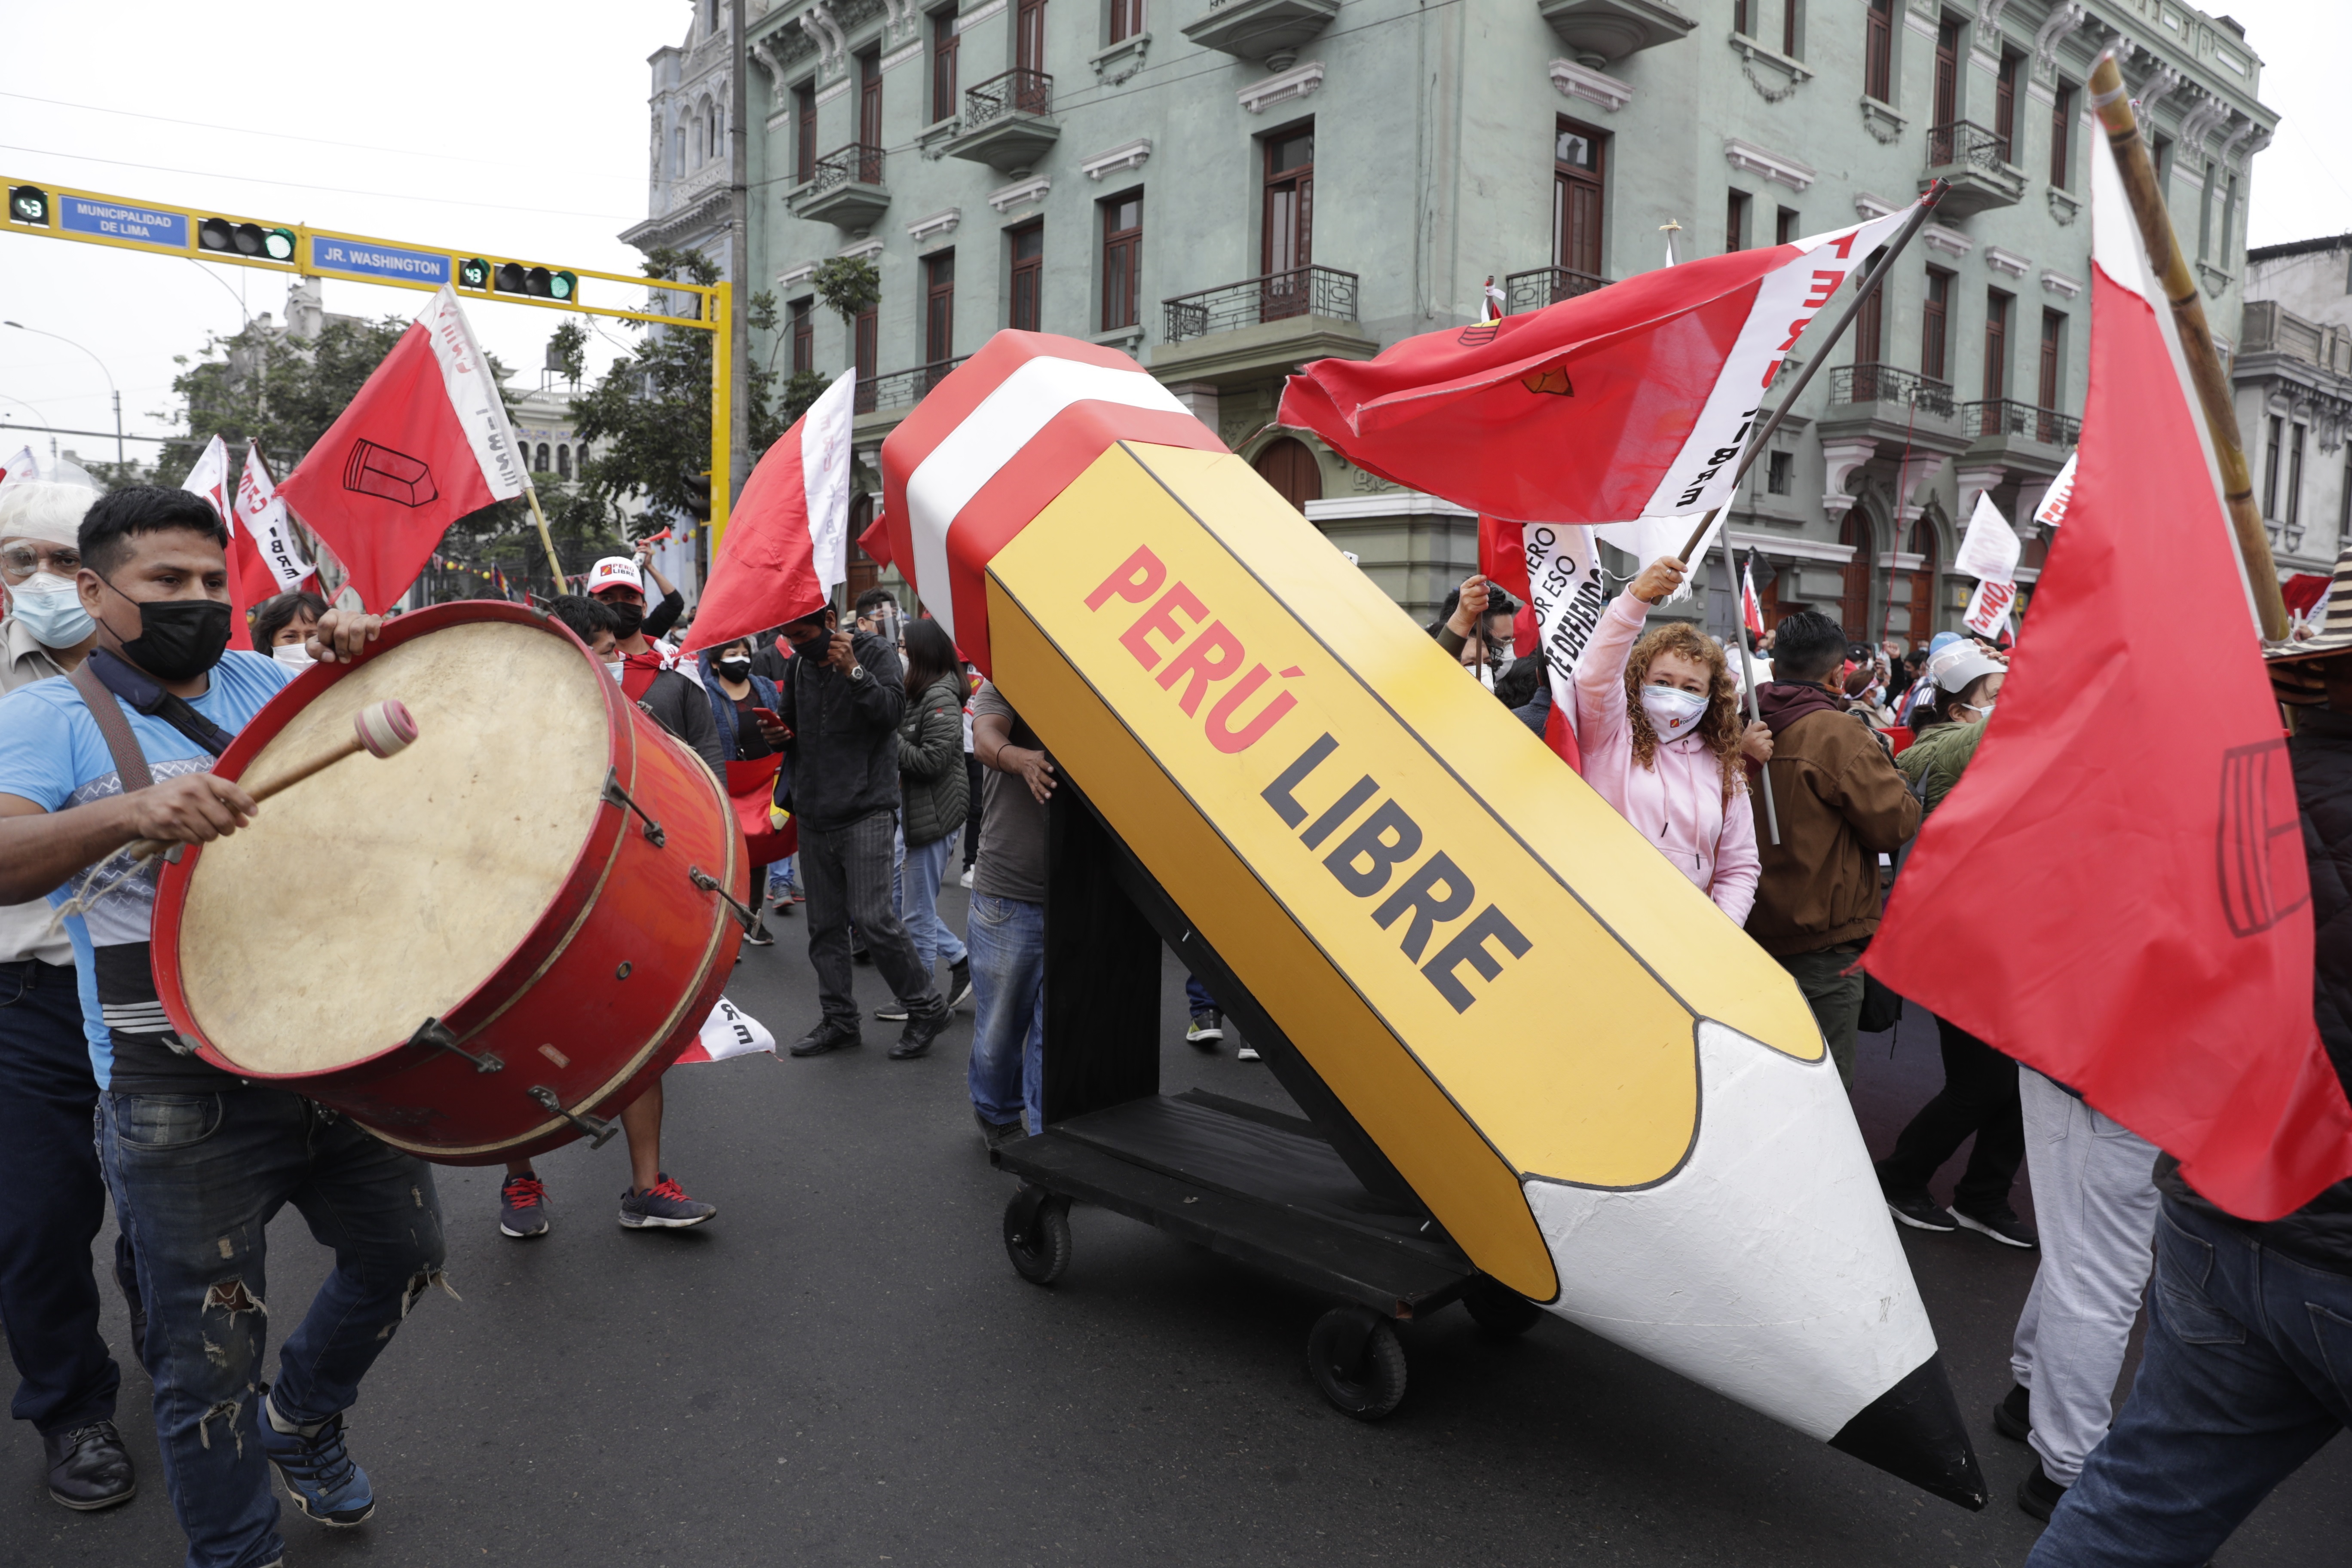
[48,1091]
[1006,932]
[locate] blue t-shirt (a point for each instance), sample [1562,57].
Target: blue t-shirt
[53,754]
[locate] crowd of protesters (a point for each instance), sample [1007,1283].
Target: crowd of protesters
[893,758]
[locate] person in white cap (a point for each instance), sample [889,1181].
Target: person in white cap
[48,1294]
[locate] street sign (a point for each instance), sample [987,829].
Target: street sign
[366,258]
[117,221]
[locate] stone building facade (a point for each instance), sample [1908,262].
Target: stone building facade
[2294,384]
[1228,188]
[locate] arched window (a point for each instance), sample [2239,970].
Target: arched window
[1921,601]
[562,462]
[1290,465]
[677,153]
[540,465]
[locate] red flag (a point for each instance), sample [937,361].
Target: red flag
[1503,556]
[424,443]
[2115,893]
[785,547]
[249,581]
[1631,401]
[751,786]
[876,541]
[1751,608]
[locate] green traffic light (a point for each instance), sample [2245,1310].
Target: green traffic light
[278,244]
[563,286]
[29,203]
[474,274]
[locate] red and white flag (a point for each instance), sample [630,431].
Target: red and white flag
[988,448]
[1633,401]
[1751,608]
[263,518]
[786,546]
[248,579]
[424,443]
[729,1032]
[2112,895]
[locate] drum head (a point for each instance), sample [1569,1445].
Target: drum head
[381,892]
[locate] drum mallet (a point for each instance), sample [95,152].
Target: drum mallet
[380,728]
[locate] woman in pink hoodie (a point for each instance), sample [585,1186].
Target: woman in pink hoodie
[1658,721]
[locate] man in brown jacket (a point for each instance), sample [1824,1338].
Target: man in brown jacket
[1841,806]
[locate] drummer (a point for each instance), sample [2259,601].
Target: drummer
[198,1159]
[653,1202]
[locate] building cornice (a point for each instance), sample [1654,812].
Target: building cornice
[709,212]
[1778,167]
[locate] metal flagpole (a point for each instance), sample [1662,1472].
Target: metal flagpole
[1903,237]
[1747,663]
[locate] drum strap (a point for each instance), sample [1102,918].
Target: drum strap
[130,762]
[146,695]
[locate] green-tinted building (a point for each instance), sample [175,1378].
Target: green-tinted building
[1227,188]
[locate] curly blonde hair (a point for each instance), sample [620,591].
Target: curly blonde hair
[1719,726]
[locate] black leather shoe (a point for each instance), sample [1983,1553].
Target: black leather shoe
[2013,1416]
[828,1037]
[88,1468]
[923,1028]
[2038,1495]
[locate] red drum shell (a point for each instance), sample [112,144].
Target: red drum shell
[615,976]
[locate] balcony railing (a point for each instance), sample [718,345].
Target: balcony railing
[1888,383]
[1963,143]
[1277,296]
[901,388]
[2007,416]
[856,164]
[1017,91]
[1532,290]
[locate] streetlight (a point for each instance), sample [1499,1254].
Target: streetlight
[103,371]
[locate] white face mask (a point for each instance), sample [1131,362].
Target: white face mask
[291,655]
[1983,714]
[51,607]
[613,668]
[1672,710]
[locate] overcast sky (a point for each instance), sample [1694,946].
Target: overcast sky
[519,130]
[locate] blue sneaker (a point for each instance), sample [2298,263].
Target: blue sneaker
[663,1206]
[316,1468]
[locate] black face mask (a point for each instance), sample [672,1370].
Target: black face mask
[627,619]
[178,639]
[735,668]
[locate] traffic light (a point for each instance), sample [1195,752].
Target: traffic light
[535,282]
[474,274]
[697,495]
[220,233]
[29,203]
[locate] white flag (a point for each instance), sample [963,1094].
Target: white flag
[1564,581]
[825,477]
[2052,509]
[210,479]
[1990,549]
[264,521]
[729,1032]
[1988,612]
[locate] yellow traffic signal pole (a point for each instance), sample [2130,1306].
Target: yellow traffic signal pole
[172,229]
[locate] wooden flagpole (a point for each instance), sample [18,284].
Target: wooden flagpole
[1869,285]
[2112,100]
[531,494]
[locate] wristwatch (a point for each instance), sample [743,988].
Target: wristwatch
[857,672]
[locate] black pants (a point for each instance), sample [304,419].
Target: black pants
[972,816]
[845,871]
[1979,1096]
[55,1203]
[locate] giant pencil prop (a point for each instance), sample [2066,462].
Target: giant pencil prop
[1611,1098]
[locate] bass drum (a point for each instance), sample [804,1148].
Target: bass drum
[483,946]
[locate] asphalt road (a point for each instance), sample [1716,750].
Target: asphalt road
[844,1369]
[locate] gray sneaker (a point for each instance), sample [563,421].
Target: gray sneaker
[664,1207]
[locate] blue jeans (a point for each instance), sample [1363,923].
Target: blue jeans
[919,903]
[48,1162]
[1008,1026]
[2248,1373]
[779,877]
[197,1178]
[1197,997]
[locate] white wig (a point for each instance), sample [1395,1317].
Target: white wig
[37,509]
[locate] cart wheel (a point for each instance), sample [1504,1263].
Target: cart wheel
[1354,1357]
[1498,1309]
[1037,1234]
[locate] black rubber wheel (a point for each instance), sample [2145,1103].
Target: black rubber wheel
[1498,1309]
[1039,1242]
[1368,1384]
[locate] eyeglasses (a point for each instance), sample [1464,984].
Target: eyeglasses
[19,562]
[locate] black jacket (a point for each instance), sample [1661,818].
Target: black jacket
[844,744]
[679,706]
[2320,1232]
[932,776]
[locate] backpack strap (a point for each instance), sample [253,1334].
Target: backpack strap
[130,762]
